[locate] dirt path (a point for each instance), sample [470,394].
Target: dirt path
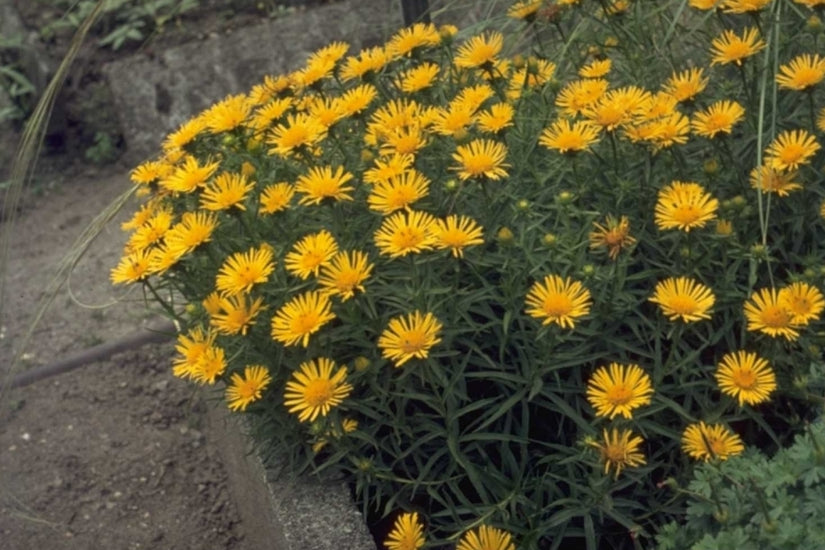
[113,455]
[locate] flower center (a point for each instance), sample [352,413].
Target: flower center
[478,165]
[745,379]
[717,446]
[682,304]
[614,453]
[791,153]
[620,394]
[318,392]
[557,305]
[687,214]
[305,322]
[775,316]
[413,342]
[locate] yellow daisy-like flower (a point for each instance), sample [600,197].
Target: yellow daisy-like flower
[686,85]
[805,302]
[357,99]
[210,366]
[387,168]
[717,119]
[408,232]
[496,119]
[614,236]
[246,389]
[149,172]
[345,274]
[457,233]
[189,177]
[418,78]
[301,317]
[226,191]
[617,107]
[596,68]
[310,253]
[669,130]
[152,231]
[321,183]
[557,300]
[185,134]
[242,270]
[194,229]
[479,51]
[684,206]
[769,180]
[683,298]
[765,312]
[301,132]
[618,389]
[569,138]
[745,377]
[266,114]
[409,336]
[705,4]
[732,48]
[486,538]
[404,141]
[619,450]
[744,6]
[398,192]
[407,40]
[314,389]
[276,197]
[802,73]
[710,441]
[227,114]
[191,347]
[790,149]
[368,61]
[407,533]
[578,95]
[132,268]
[236,314]
[481,157]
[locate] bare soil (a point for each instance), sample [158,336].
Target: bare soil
[116,454]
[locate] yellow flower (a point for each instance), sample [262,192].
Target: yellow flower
[496,119]
[314,389]
[404,141]
[790,149]
[227,114]
[670,130]
[345,274]
[618,389]
[454,120]
[709,441]
[225,191]
[210,365]
[595,69]
[557,300]
[745,6]
[479,51]
[408,232]
[388,168]
[619,450]
[418,78]
[301,132]
[152,231]
[419,35]
[457,233]
[132,268]
[765,312]
[731,48]
[242,270]
[236,314]
[580,94]
[617,107]
[189,177]
[802,73]
[805,302]
[276,197]
[407,533]
[398,192]
[614,236]
[685,86]
[194,229]
[769,180]
[409,336]
[266,114]
[310,253]
[486,538]
[321,183]
[683,298]
[191,346]
[717,119]
[524,9]
[745,377]
[685,206]
[301,317]
[368,61]
[705,4]
[357,99]
[185,134]
[246,389]
[569,138]
[481,157]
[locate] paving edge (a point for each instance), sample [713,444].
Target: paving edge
[284,514]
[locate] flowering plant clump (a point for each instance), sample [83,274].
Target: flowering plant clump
[509,295]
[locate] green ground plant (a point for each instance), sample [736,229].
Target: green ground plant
[14,84]
[514,285]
